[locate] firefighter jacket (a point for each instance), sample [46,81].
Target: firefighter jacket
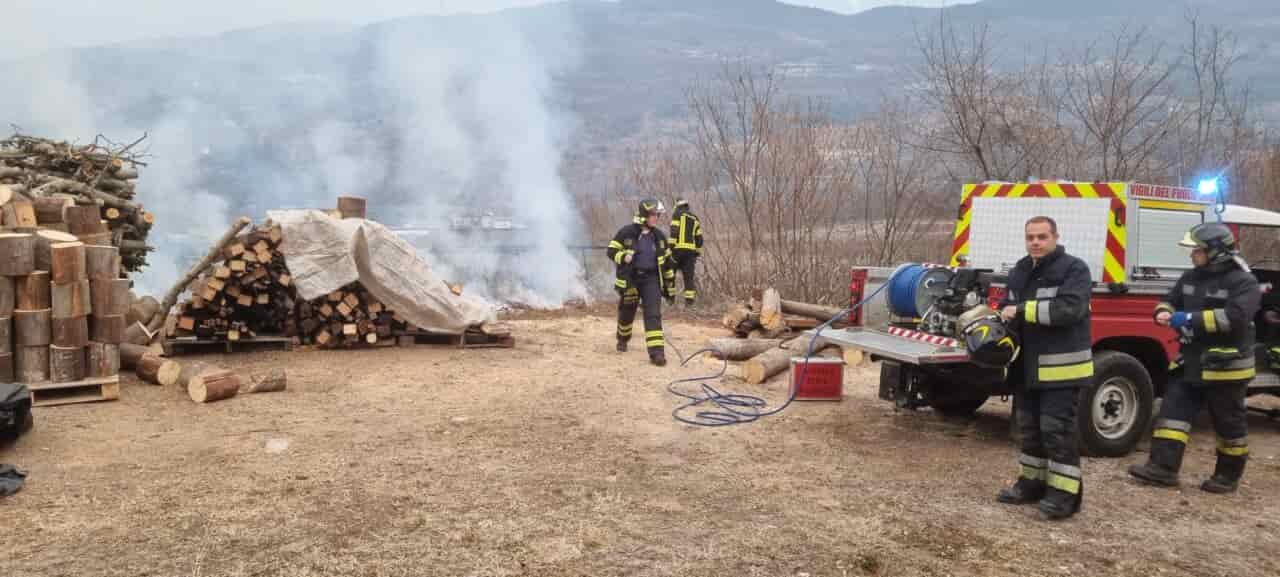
[1217,342]
[1052,297]
[624,243]
[686,232]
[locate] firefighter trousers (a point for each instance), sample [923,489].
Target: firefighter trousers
[1182,403]
[1047,423]
[688,270]
[646,290]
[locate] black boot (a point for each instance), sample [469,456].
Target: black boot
[622,346]
[1162,468]
[1059,504]
[1226,474]
[1023,492]
[658,357]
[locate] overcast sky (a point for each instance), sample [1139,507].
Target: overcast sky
[34,26]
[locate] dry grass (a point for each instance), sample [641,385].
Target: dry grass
[560,458]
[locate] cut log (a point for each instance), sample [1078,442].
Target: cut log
[110,297]
[107,329]
[130,354]
[84,220]
[71,300]
[66,364]
[51,210]
[171,297]
[32,328]
[33,291]
[17,254]
[66,262]
[138,334]
[6,190]
[190,371]
[268,382]
[819,312]
[72,332]
[351,206]
[772,362]
[102,262]
[20,214]
[102,360]
[143,310]
[771,322]
[6,368]
[157,370]
[45,239]
[31,364]
[741,349]
[8,296]
[6,337]
[213,386]
[102,239]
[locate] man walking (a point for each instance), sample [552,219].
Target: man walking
[644,275]
[1212,308]
[686,233]
[1048,305]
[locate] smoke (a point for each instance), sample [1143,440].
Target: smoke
[431,119]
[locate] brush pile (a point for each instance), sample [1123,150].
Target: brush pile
[84,190]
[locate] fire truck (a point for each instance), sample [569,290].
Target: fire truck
[1128,234]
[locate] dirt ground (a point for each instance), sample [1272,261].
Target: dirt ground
[561,457]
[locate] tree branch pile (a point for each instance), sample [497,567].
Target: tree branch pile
[86,190]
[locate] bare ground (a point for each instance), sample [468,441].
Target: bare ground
[561,458]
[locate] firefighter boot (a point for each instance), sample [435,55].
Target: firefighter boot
[1226,474]
[1059,504]
[1024,492]
[658,357]
[622,346]
[1162,468]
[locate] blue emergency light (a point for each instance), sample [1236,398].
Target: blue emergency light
[1208,187]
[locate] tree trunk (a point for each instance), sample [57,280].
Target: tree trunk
[33,291]
[214,254]
[107,329]
[71,300]
[271,381]
[772,362]
[130,354]
[32,328]
[66,262]
[110,297]
[66,364]
[31,364]
[143,310]
[45,239]
[103,360]
[102,262]
[351,206]
[84,220]
[137,334]
[20,214]
[771,321]
[819,312]
[51,210]
[741,349]
[156,370]
[213,386]
[17,254]
[72,332]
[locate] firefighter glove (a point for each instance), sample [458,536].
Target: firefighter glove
[1180,319]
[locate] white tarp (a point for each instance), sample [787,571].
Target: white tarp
[325,254]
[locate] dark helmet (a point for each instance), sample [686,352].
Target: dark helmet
[649,206]
[990,344]
[1216,239]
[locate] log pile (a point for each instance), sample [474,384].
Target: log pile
[350,316]
[758,326]
[247,292]
[87,191]
[62,323]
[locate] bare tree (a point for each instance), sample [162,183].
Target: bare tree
[1218,119]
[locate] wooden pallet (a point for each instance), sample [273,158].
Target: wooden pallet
[468,340]
[185,345]
[84,391]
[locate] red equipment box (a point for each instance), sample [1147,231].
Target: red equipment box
[819,380]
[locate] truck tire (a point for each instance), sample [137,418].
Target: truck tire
[1116,408]
[953,406]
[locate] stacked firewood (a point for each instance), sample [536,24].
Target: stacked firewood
[769,331]
[347,317]
[87,191]
[248,293]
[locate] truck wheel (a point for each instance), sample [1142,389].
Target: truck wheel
[956,407]
[1116,407]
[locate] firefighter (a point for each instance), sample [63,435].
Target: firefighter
[1212,308]
[645,274]
[686,234]
[1047,305]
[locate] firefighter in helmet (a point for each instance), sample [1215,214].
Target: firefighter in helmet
[686,234]
[645,274]
[1211,307]
[1047,305]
